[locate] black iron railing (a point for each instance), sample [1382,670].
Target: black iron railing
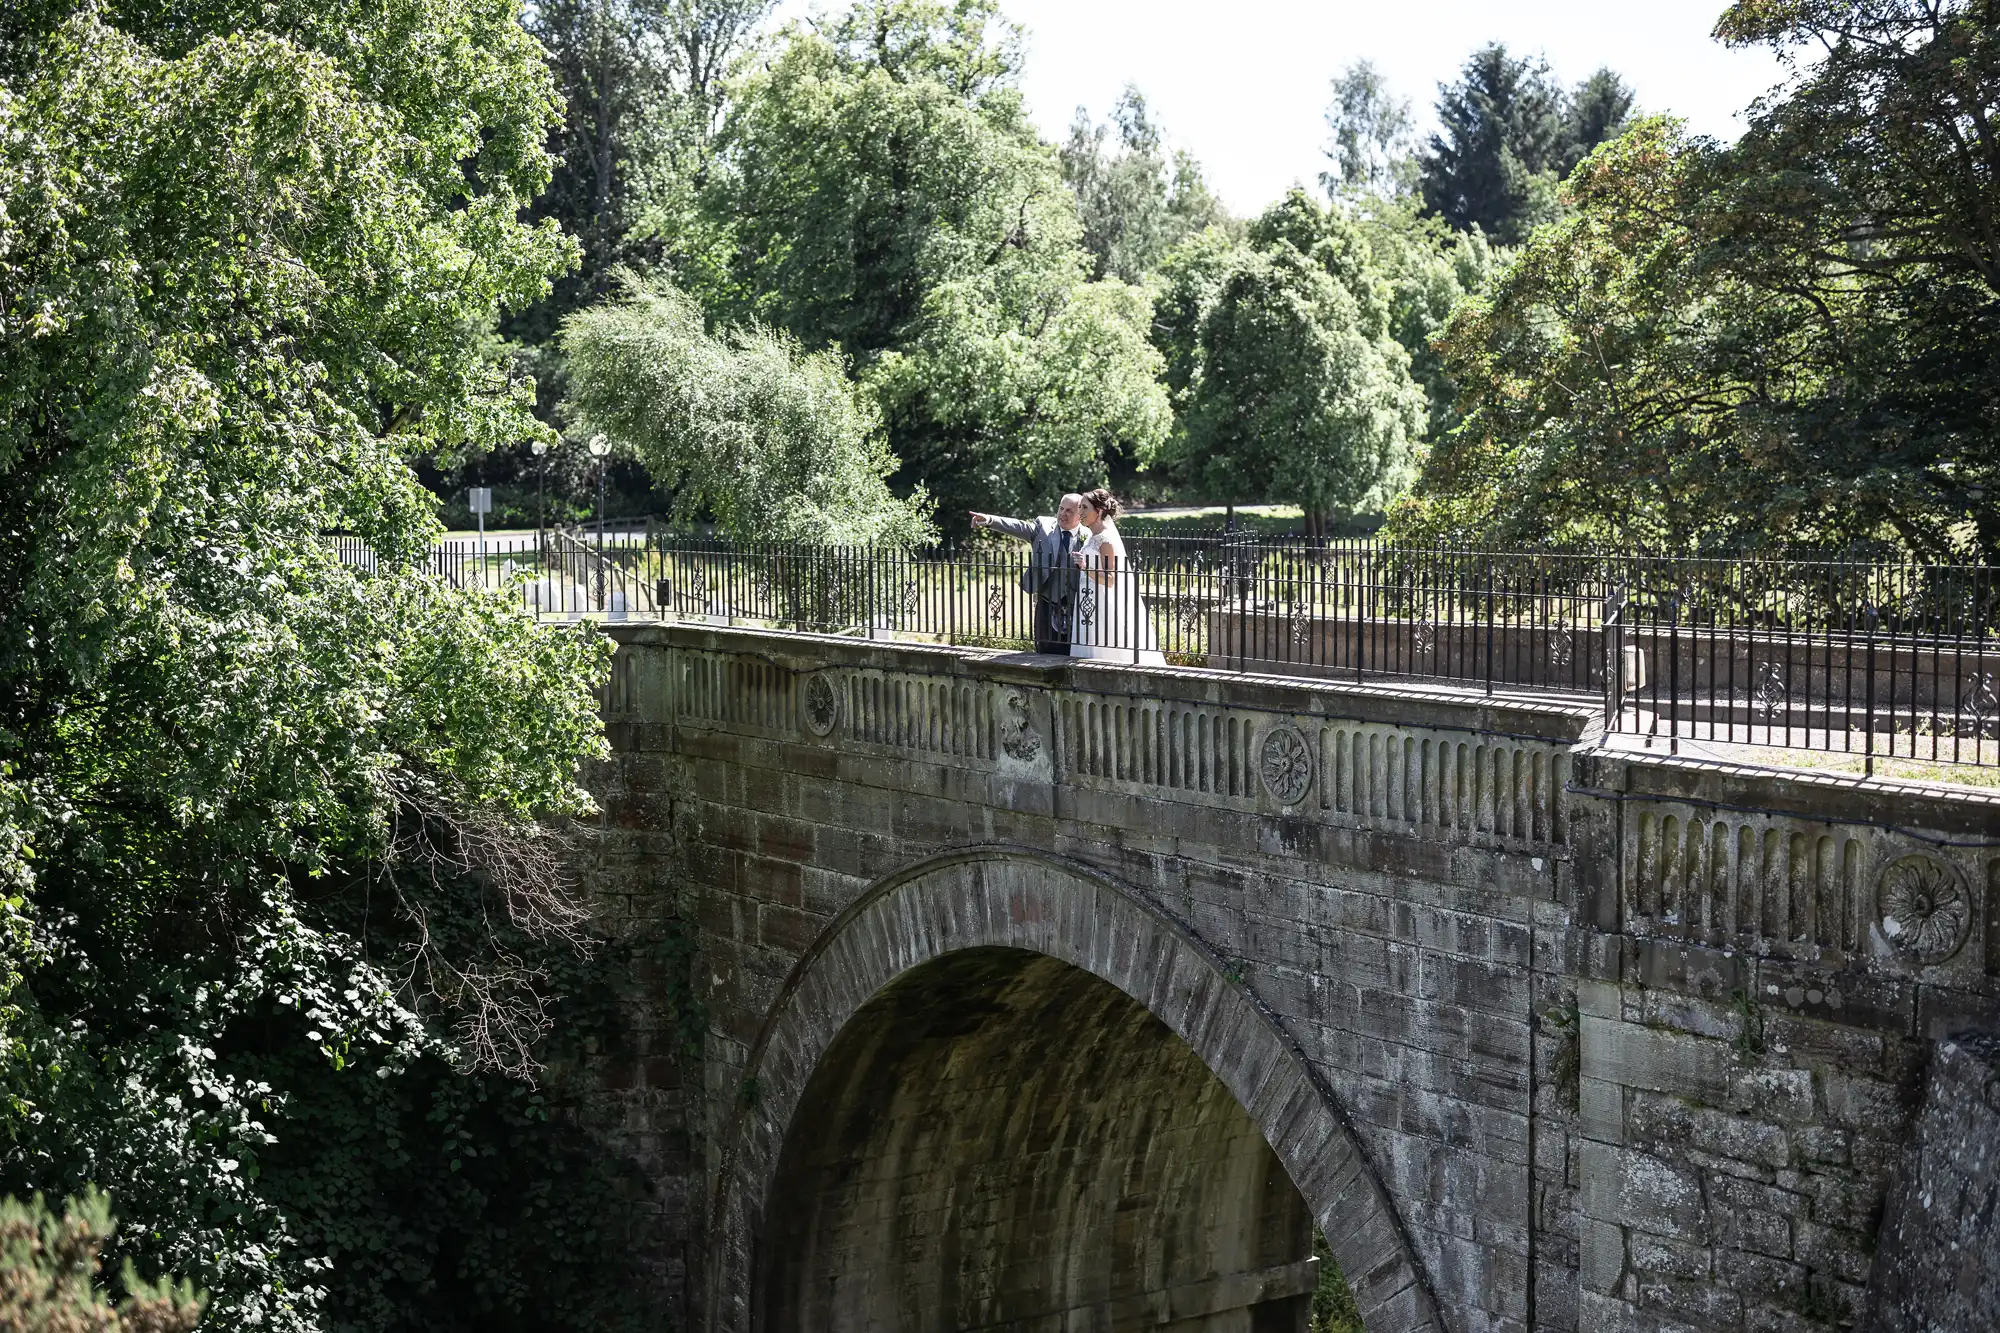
[1865,657]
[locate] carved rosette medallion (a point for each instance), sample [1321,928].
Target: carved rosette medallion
[1924,908]
[1286,765]
[819,704]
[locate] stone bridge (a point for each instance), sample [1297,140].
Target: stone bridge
[1039,995]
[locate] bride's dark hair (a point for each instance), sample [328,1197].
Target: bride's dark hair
[1103,501]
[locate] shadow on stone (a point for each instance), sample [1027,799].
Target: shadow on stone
[999,1140]
[1937,1265]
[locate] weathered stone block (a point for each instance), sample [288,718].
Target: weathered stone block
[1707,1304]
[1656,1059]
[1784,1095]
[1657,1120]
[1835,1250]
[1810,1041]
[1863,1103]
[1600,999]
[1938,1265]
[1640,1190]
[1555,1295]
[1601,1110]
[1608,1314]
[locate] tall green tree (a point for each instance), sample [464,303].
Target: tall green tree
[1499,133]
[1507,133]
[1135,203]
[772,441]
[875,156]
[271,831]
[1429,269]
[1294,387]
[1598,109]
[1603,374]
[999,403]
[642,84]
[1428,266]
[1788,342]
[888,198]
[1373,149]
[1866,192]
[1667,369]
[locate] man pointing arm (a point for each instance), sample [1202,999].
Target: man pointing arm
[1050,577]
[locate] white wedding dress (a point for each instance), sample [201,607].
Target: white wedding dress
[1112,621]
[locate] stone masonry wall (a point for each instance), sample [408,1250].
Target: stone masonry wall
[1629,1043]
[1770,959]
[1938,1265]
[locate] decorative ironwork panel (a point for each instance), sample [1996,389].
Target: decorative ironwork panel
[1984,706]
[1770,693]
[1562,644]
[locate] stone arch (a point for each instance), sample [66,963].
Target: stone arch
[989,897]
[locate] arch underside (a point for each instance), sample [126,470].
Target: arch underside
[1002,1091]
[999,1140]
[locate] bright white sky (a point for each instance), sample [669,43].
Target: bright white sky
[1242,84]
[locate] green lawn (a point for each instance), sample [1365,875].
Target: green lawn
[1172,520]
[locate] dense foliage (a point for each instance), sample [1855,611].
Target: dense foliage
[1135,202]
[1373,149]
[1290,382]
[885,196]
[641,86]
[1793,341]
[773,441]
[280,910]
[49,1264]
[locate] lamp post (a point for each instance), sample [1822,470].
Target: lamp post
[541,449]
[600,449]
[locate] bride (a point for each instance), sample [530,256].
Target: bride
[1112,620]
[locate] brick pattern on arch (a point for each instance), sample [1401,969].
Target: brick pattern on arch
[1023,899]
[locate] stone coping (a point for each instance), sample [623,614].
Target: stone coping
[1968,816]
[1406,705]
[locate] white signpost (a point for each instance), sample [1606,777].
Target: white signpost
[481,500]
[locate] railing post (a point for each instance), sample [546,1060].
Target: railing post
[1674,674]
[1491,593]
[1868,694]
[1614,661]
